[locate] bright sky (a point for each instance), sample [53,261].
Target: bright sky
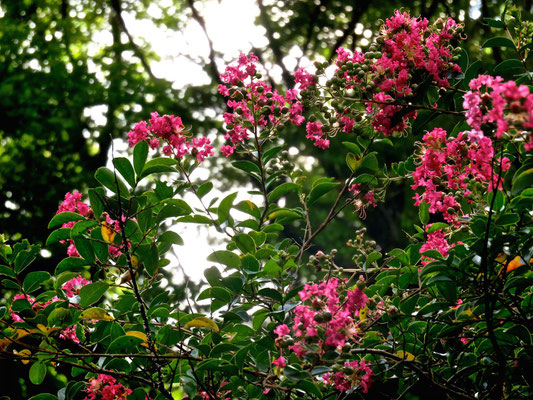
[231,33]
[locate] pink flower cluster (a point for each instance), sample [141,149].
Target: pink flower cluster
[74,204]
[435,241]
[105,387]
[254,103]
[169,131]
[66,334]
[316,134]
[505,104]
[411,47]
[329,320]
[355,373]
[73,286]
[448,167]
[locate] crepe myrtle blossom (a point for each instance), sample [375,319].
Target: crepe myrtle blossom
[66,334]
[169,132]
[355,373]
[328,318]
[72,287]
[449,166]
[506,105]
[256,106]
[105,387]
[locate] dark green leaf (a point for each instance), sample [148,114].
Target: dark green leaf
[320,190]
[92,292]
[71,264]
[140,153]
[25,258]
[436,226]
[224,207]
[282,190]
[101,249]
[34,279]
[107,178]
[247,166]
[171,237]
[125,168]
[499,41]
[57,235]
[245,243]
[204,189]
[61,218]
[353,148]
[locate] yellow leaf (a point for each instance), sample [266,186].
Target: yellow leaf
[137,334]
[134,262]
[202,322]
[108,233]
[362,314]
[96,313]
[23,353]
[405,355]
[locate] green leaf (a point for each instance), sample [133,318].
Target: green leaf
[494,23]
[96,202]
[204,189]
[521,181]
[370,162]
[271,153]
[64,217]
[320,190]
[295,374]
[170,237]
[353,148]
[423,212]
[25,258]
[140,153]
[81,227]
[158,165]
[353,161]
[225,257]
[509,67]
[107,178]
[71,264]
[44,396]
[213,276]
[195,219]
[174,208]
[37,373]
[150,256]
[224,207]
[100,248]
[499,41]
[436,226]
[272,269]
[92,292]
[34,279]
[423,117]
[433,254]
[374,256]
[247,166]
[282,190]
[125,344]
[125,168]
[85,249]
[507,219]
[58,235]
[245,243]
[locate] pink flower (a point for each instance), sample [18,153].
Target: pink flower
[282,330]
[105,387]
[73,286]
[280,362]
